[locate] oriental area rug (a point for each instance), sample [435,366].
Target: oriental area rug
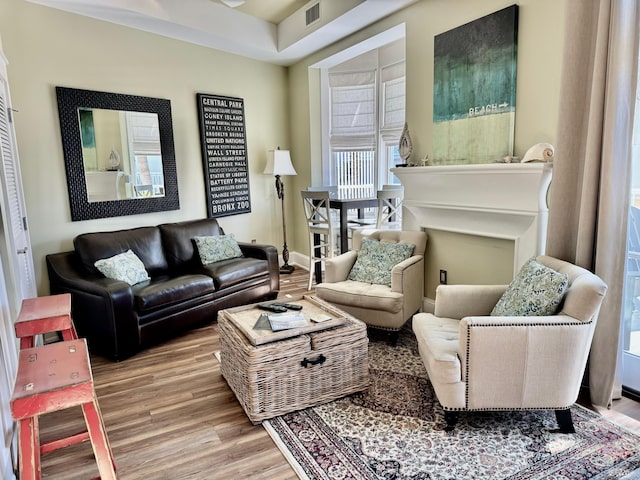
[395,430]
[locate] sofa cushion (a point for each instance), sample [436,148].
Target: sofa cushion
[536,290]
[216,248]
[165,291]
[362,295]
[179,247]
[145,242]
[376,259]
[126,267]
[235,270]
[438,340]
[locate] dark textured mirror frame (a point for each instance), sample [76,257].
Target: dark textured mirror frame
[69,100]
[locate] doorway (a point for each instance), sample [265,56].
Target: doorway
[630,331]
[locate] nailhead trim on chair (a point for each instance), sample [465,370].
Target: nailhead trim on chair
[466,383]
[503,409]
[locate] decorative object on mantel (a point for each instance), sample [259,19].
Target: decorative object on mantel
[114,159]
[425,161]
[279,163]
[540,152]
[405,146]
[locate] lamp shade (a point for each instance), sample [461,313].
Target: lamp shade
[279,163]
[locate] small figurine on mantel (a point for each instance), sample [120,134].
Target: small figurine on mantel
[405,147]
[114,159]
[425,161]
[540,152]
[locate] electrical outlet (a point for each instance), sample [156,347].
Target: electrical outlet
[443,277]
[253,241]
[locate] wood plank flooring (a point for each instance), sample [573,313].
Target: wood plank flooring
[170,415]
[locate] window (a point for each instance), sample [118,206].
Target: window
[353,129]
[393,104]
[366,106]
[630,335]
[146,161]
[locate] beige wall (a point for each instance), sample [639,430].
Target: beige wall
[540,39]
[47,47]
[491,258]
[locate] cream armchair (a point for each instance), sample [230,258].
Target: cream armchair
[380,306]
[481,362]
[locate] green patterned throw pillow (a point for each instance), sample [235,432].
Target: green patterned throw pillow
[126,267]
[376,260]
[216,248]
[536,290]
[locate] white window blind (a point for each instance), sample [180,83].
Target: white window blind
[353,110]
[144,133]
[393,100]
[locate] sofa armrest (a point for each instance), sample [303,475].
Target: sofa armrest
[102,308]
[268,253]
[256,250]
[336,269]
[523,362]
[458,301]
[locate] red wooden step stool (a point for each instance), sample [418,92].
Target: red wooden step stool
[50,378]
[42,315]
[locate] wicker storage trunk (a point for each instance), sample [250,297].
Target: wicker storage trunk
[275,378]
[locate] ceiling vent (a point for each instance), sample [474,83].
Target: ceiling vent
[312,14]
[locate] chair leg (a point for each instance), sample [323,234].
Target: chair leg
[565,423]
[99,441]
[29,448]
[452,419]
[393,338]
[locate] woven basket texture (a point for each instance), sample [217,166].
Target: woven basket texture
[273,378]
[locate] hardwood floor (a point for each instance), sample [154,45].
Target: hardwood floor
[170,415]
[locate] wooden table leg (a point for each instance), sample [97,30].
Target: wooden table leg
[344,240]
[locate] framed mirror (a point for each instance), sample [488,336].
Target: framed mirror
[118,152]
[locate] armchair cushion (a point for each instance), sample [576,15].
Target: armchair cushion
[361,295]
[376,260]
[536,290]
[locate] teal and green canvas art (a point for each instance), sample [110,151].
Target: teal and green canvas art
[474,90]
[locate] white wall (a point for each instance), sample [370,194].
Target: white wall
[48,48]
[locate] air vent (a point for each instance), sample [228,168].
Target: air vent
[312,14]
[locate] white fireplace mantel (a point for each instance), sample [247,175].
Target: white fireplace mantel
[501,200]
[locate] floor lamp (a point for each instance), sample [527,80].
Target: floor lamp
[279,164]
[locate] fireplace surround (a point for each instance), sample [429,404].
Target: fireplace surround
[501,201]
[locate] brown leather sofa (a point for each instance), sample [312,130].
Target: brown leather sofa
[119,320]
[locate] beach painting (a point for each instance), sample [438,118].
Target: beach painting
[474,91]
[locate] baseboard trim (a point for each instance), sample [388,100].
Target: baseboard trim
[299,260]
[631,393]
